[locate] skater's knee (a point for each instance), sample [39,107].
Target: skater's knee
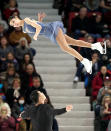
[70,40]
[64,48]
[67,38]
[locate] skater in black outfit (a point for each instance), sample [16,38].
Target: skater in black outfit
[41,114]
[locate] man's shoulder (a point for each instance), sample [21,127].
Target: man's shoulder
[45,107]
[41,107]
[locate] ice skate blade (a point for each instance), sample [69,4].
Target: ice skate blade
[90,72]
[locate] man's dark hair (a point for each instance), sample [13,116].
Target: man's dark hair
[34,96]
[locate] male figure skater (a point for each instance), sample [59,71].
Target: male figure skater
[41,114]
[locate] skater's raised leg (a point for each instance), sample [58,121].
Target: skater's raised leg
[65,47]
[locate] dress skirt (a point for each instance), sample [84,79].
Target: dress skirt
[52,29]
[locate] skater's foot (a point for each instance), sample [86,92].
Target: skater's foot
[87,64]
[76,79]
[100,46]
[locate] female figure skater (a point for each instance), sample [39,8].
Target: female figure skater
[42,114]
[55,32]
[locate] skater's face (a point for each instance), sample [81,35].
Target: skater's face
[15,22]
[42,97]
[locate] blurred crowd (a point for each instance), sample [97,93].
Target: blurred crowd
[18,74]
[90,20]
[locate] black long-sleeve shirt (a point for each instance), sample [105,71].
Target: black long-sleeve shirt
[42,116]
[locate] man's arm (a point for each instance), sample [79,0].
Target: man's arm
[63,110]
[35,25]
[59,111]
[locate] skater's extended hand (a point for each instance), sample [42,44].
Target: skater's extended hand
[35,37]
[69,108]
[41,16]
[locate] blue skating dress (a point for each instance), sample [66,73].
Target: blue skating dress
[49,30]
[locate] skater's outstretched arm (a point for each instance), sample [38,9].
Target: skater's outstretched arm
[35,25]
[63,110]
